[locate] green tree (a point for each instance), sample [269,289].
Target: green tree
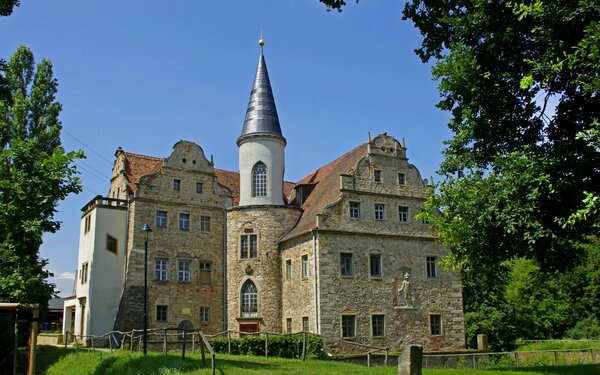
[35,174]
[6,6]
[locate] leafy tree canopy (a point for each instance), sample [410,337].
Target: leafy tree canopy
[35,174]
[6,6]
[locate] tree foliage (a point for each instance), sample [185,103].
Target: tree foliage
[35,174]
[7,6]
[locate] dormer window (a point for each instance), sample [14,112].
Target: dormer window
[259,180]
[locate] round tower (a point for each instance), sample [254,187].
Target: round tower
[261,145]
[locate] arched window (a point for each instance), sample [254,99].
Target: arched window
[249,299]
[259,180]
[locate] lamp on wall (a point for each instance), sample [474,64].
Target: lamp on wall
[146,229]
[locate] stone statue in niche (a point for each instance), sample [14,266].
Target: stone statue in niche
[406,292]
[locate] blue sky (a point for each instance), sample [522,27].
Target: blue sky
[145,74]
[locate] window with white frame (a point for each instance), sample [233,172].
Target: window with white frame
[354,208]
[304,266]
[185,274]
[348,326]
[435,324]
[346,264]
[378,325]
[259,180]
[288,269]
[249,305]
[205,272]
[248,246]
[375,265]
[205,223]
[432,271]
[184,221]
[160,270]
[379,211]
[204,314]
[161,219]
[403,214]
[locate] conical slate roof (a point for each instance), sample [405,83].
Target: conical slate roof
[261,115]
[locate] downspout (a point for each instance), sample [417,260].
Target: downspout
[316,278]
[225,269]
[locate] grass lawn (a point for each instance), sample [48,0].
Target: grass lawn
[58,361]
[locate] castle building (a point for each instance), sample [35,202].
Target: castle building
[338,253]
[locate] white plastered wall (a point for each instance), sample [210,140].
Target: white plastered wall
[271,152]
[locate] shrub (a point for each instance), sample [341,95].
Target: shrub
[285,346]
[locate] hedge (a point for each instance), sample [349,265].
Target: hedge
[286,346]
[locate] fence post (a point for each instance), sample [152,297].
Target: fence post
[184,342]
[593,355]
[110,342]
[369,359]
[556,358]
[385,360]
[303,345]
[193,342]
[202,351]
[212,364]
[165,341]
[516,359]
[266,344]
[131,342]
[140,343]
[93,347]
[66,338]
[228,342]
[474,361]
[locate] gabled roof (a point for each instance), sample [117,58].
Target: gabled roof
[326,191]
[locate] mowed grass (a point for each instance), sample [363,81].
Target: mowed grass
[559,345]
[55,361]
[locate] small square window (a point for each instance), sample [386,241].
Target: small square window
[160,270]
[348,326]
[176,185]
[401,179]
[185,275]
[288,269]
[377,325]
[304,266]
[403,214]
[161,313]
[199,187]
[375,265]
[288,325]
[184,221]
[205,272]
[432,267]
[161,219]
[346,266]
[435,323]
[111,244]
[305,324]
[354,208]
[379,211]
[377,175]
[205,314]
[205,223]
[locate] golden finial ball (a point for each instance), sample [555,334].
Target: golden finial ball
[261,42]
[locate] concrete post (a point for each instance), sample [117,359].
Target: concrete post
[482,343]
[410,361]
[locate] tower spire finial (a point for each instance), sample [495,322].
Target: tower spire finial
[261,42]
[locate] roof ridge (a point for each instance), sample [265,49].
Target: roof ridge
[335,161]
[141,155]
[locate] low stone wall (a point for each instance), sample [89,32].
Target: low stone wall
[50,339]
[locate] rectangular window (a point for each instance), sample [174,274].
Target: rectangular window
[346,264]
[205,273]
[199,187]
[161,313]
[204,314]
[377,175]
[184,221]
[288,325]
[403,214]
[377,325]
[354,210]
[87,223]
[305,324]
[161,219]
[288,269]
[435,323]
[160,270]
[205,223]
[185,275]
[84,272]
[176,185]
[432,267]
[379,211]
[304,266]
[111,244]
[348,326]
[248,246]
[375,265]
[401,180]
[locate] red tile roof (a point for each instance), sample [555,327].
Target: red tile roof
[327,189]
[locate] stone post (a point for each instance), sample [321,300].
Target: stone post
[482,343]
[410,361]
